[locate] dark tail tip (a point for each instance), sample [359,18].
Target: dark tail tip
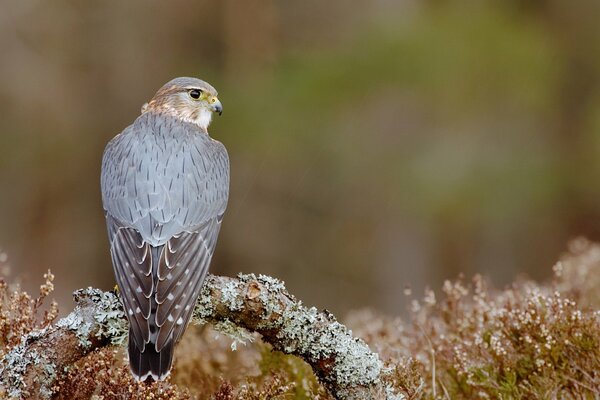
[150,364]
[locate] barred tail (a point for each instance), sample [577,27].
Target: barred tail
[150,363]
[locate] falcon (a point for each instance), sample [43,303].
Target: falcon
[165,184]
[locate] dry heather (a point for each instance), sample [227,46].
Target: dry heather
[206,368]
[20,313]
[529,341]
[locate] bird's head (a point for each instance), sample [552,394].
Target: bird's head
[189,99]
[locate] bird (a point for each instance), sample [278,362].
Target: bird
[165,187]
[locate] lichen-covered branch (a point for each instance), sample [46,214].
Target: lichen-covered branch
[30,370]
[344,364]
[261,304]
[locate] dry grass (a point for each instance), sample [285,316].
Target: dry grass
[527,341]
[206,368]
[21,313]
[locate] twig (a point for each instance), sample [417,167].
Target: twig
[344,364]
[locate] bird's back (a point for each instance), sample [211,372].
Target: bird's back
[164,186]
[162,176]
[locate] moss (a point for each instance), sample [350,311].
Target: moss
[296,371]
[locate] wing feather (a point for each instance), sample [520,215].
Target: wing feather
[162,177]
[183,267]
[131,263]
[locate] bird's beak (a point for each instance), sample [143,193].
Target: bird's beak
[217,107]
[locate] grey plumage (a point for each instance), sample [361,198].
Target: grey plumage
[165,186]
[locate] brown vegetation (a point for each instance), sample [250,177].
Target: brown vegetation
[526,341]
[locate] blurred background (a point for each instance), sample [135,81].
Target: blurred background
[374,145]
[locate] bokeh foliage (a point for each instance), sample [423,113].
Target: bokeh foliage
[373,146]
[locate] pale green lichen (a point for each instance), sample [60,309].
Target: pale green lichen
[230,296]
[13,367]
[272,284]
[234,301]
[106,320]
[47,381]
[391,394]
[233,297]
[237,334]
[110,318]
[318,336]
[268,298]
[204,307]
[14,364]
[77,323]
[303,331]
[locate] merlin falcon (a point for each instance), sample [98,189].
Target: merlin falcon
[165,184]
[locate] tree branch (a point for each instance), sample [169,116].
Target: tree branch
[345,365]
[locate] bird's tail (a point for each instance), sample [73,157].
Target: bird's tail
[149,363]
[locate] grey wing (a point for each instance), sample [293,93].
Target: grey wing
[132,264]
[164,184]
[186,256]
[169,193]
[182,269]
[160,288]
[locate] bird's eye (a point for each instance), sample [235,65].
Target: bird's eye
[195,93]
